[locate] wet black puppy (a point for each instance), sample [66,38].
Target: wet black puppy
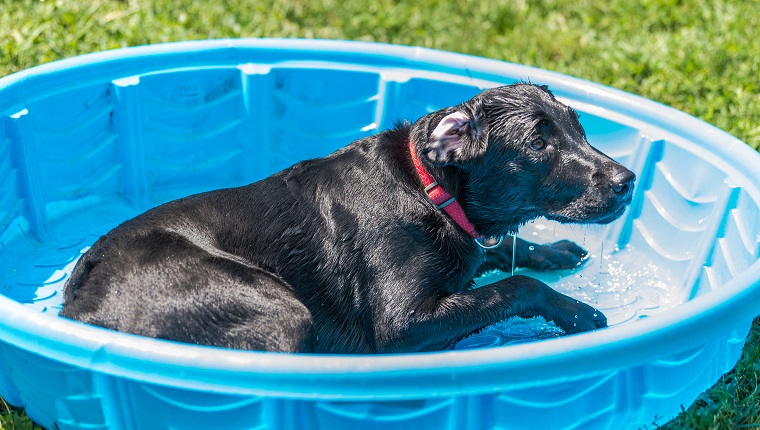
[348,253]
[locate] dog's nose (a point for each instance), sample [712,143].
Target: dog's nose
[622,180]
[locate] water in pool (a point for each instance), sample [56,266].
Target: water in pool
[624,284]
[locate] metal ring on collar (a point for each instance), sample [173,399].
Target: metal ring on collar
[484,246]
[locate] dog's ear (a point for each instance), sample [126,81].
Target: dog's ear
[457,138]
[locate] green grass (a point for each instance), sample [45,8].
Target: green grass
[702,57]
[13,419]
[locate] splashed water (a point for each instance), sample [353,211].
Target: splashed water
[625,285]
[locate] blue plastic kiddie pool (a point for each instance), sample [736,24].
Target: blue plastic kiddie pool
[88,142]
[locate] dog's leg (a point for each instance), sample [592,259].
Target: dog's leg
[242,307]
[563,254]
[190,293]
[453,317]
[263,316]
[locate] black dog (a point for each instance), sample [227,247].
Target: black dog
[350,253]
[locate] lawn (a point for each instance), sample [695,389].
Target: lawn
[702,57]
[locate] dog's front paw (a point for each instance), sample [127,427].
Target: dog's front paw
[576,317]
[563,254]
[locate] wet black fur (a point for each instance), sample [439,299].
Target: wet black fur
[346,254]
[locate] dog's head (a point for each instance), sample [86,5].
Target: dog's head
[515,153]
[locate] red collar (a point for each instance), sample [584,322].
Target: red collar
[441,198]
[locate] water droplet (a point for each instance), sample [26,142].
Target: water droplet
[596,314]
[575,324]
[532,248]
[576,317]
[514,252]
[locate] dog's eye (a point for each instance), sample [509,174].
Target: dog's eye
[538,144]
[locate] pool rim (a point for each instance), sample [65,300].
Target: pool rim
[403,375]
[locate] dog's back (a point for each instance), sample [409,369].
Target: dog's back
[301,243]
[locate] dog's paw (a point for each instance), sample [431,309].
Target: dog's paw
[563,254]
[577,317]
